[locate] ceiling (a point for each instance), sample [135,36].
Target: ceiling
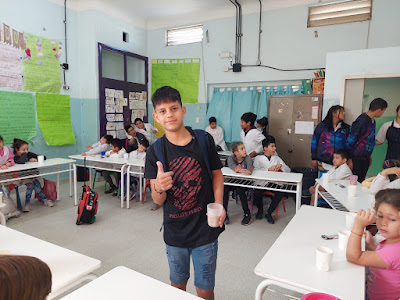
[152,14]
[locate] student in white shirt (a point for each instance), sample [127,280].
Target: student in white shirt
[101,146]
[269,163]
[117,151]
[389,178]
[139,154]
[217,133]
[146,129]
[339,171]
[250,136]
[390,131]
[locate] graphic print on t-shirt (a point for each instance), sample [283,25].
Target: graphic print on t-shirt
[187,181]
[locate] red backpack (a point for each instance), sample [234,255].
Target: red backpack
[50,189]
[87,207]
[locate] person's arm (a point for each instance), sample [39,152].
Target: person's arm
[354,253]
[380,138]
[259,137]
[10,162]
[314,145]
[357,129]
[218,187]
[379,183]
[161,184]
[21,159]
[231,163]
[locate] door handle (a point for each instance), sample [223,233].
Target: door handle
[289,131]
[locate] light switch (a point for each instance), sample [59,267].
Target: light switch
[197,120]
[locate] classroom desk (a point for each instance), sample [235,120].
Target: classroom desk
[68,268]
[290,262]
[336,195]
[124,283]
[272,181]
[100,163]
[131,170]
[28,170]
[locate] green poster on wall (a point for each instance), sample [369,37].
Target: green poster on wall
[181,74]
[54,118]
[40,65]
[17,116]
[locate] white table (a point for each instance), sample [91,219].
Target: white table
[100,163]
[124,283]
[336,191]
[272,181]
[28,170]
[68,268]
[290,262]
[131,170]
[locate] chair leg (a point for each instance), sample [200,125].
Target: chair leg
[94,179]
[19,204]
[251,202]
[276,212]
[283,204]
[277,208]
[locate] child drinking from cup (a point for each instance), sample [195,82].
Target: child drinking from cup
[383,281]
[22,156]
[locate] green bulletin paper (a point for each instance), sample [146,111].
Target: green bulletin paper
[182,74]
[54,118]
[17,116]
[40,65]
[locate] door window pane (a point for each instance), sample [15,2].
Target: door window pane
[136,70]
[112,65]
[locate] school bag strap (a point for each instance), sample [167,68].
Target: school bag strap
[201,137]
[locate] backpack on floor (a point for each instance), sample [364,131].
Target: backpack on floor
[50,189]
[88,204]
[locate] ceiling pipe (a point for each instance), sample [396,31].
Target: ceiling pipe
[259,37]
[237,67]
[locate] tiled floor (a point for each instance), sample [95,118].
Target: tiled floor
[132,238]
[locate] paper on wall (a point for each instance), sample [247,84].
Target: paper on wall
[142,104]
[119,109]
[144,95]
[110,92]
[304,127]
[111,126]
[110,117]
[119,94]
[132,95]
[314,112]
[138,95]
[123,102]
[135,114]
[119,117]
[110,109]
[110,100]
[141,113]
[120,125]
[121,134]
[112,132]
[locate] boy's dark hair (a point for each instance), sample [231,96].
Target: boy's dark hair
[144,143]
[165,94]
[235,146]
[391,163]
[108,138]
[329,116]
[1,138]
[343,153]
[263,121]
[378,103]
[249,117]
[17,144]
[212,120]
[268,140]
[138,119]
[127,127]
[117,143]
[389,196]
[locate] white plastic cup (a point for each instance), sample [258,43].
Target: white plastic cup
[40,159]
[325,178]
[214,212]
[350,218]
[324,256]
[352,190]
[343,238]
[126,156]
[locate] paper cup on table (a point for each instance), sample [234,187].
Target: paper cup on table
[126,156]
[353,179]
[350,218]
[343,238]
[325,178]
[352,190]
[40,159]
[324,256]
[214,212]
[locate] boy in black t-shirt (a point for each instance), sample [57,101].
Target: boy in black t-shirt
[184,187]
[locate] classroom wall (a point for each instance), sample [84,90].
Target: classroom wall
[286,42]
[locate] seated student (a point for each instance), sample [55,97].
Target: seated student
[389,178]
[22,156]
[383,281]
[117,151]
[146,129]
[272,163]
[131,142]
[101,146]
[240,162]
[217,133]
[250,136]
[139,154]
[262,126]
[6,156]
[340,171]
[24,278]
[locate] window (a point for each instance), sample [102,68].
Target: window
[184,35]
[339,12]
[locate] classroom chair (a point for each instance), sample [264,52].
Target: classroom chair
[147,183]
[318,296]
[269,193]
[137,179]
[94,180]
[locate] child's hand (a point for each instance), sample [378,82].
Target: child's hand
[33,160]
[247,172]
[389,171]
[89,147]
[83,154]
[238,169]
[8,164]
[164,179]
[363,219]
[278,167]
[3,167]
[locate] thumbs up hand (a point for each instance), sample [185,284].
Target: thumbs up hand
[164,179]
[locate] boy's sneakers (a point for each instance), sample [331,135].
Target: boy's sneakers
[246,219]
[226,222]
[48,203]
[269,218]
[26,208]
[259,215]
[115,194]
[111,190]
